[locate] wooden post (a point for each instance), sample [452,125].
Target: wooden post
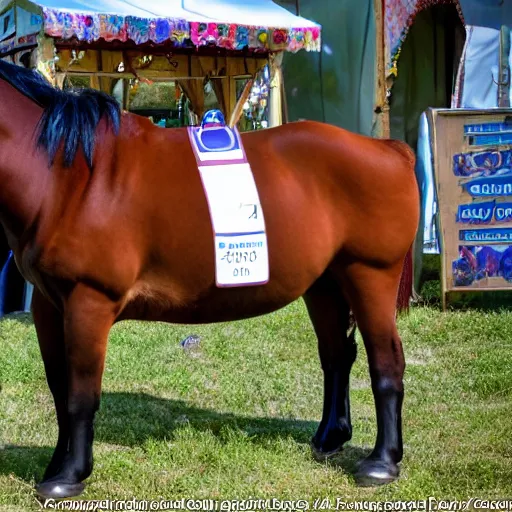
[46,58]
[276,89]
[381,101]
[236,113]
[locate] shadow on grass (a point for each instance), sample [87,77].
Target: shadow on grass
[26,462]
[130,419]
[348,459]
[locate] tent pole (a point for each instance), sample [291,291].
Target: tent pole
[382,107]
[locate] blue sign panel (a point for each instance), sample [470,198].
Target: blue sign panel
[487,187]
[484,213]
[488,134]
[481,262]
[490,140]
[476,213]
[482,163]
[499,235]
[503,212]
[471,129]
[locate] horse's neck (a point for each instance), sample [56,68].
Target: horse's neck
[23,173]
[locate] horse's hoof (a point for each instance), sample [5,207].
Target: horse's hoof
[321,456]
[56,490]
[376,472]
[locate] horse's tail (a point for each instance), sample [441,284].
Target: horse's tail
[405,288]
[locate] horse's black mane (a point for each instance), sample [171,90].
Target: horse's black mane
[70,117]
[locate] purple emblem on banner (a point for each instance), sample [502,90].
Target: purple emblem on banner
[464,268]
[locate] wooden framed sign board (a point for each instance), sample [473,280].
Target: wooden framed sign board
[472,151]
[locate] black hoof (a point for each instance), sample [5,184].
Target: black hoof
[59,490]
[321,456]
[373,472]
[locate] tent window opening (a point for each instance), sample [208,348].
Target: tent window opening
[427,69]
[255,115]
[76,82]
[159,101]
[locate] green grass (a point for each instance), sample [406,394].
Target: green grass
[233,418]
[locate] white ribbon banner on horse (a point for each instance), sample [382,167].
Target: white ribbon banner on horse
[241,251]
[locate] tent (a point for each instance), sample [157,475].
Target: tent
[371,46]
[351,81]
[92,20]
[217,49]
[109,39]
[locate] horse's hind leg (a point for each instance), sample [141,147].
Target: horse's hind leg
[88,317]
[329,313]
[372,293]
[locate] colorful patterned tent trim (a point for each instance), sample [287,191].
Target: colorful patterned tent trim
[92,27]
[399,16]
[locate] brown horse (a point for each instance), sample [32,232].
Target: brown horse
[107,217]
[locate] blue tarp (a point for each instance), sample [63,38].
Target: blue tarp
[4,273]
[15,293]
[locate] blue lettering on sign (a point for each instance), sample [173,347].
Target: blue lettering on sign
[503,212]
[477,213]
[471,129]
[488,134]
[485,187]
[245,245]
[486,235]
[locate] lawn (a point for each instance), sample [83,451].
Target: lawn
[233,417]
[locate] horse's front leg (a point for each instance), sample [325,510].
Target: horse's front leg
[49,324]
[88,317]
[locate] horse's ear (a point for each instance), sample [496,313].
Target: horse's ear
[405,287]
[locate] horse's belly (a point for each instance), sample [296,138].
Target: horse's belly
[220,305]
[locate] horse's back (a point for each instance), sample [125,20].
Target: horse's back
[366,186]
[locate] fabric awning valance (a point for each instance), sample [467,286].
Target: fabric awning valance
[260,25]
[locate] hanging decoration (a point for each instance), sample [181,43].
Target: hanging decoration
[110,27]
